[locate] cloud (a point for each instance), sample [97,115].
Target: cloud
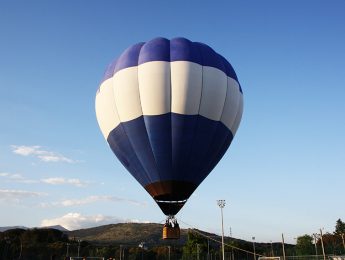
[73,221]
[18,195]
[91,199]
[14,177]
[63,181]
[37,152]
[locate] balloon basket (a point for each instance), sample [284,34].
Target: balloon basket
[171,229]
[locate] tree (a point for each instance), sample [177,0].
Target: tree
[305,245]
[195,244]
[339,227]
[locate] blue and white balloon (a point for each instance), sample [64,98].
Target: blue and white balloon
[169,110]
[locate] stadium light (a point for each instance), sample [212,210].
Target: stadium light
[221,204]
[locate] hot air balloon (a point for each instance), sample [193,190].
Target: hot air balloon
[169,110]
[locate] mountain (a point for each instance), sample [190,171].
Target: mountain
[3,229]
[58,227]
[126,233]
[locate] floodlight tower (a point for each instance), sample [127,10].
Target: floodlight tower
[221,204]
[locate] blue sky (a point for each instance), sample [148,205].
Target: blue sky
[284,172]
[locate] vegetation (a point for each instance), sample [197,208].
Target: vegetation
[305,245]
[127,240]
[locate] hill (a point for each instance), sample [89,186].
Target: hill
[124,239]
[57,227]
[3,229]
[126,233]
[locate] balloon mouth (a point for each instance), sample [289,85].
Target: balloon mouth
[170,208]
[171,195]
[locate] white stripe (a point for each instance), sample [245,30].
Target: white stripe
[126,91]
[238,116]
[231,103]
[214,87]
[186,85]
[154,87]
[105,108]
[147,89]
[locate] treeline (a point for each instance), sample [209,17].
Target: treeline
[45,244]
[331,243]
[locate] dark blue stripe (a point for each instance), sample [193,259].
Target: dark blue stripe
[129,58]
[157,49]
[182,49]
[202,153]
[221,141]
[109,72]
[209,57]
[134,150]
[229,69]
[177,49]
[183,130]
[170,147]
[122,148]
[159,134]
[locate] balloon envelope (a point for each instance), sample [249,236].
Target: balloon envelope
[169,110]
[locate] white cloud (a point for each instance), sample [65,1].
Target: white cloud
[15,177]
[37,152]
[91,199]
[73,221]
[18,195]
[63,181]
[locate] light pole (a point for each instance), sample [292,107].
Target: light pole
[169,252]
[272,249]
[221,204]
[254,247]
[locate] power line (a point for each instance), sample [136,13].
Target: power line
[220,242]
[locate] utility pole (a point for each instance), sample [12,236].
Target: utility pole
[120,252]
[232,249]
[323,248]
[254,247]
[208,248]
[197,251]
[221,204]
[315,243]
[67,245]
[79,246]
[283,246]
[342,237]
